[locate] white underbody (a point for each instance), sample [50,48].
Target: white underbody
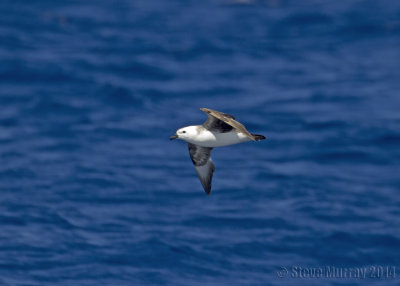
[213,139]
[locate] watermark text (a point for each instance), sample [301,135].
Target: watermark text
[363,272]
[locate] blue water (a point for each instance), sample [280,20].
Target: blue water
[92,192]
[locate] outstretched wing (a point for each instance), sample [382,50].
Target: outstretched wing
[222,122]
[214,123]
[203,164]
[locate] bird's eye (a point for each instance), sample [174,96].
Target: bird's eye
[183,131]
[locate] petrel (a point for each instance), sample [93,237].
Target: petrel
[220,129]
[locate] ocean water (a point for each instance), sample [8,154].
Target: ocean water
[92,192]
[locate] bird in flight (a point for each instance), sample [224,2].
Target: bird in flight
[220,129]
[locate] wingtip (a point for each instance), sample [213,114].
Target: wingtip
[258,137]
[207,188]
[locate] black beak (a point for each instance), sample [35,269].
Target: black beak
[173,137]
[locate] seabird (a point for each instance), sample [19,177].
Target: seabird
[220,129]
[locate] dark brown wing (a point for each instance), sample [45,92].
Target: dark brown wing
[214,117]
[215,124]
[203,164]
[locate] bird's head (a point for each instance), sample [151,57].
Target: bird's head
[185,133]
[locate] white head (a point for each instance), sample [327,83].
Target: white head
[185,133]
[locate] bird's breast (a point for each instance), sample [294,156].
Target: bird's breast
[214,139]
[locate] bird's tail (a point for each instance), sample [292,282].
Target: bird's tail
[258,137]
